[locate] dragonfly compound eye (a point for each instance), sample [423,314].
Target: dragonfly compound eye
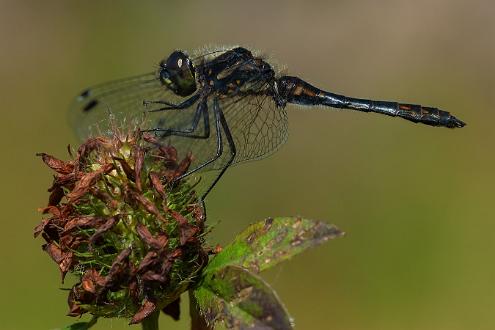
[178,74]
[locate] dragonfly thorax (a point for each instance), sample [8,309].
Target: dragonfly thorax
[235,71]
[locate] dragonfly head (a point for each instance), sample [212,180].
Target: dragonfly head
[178,74]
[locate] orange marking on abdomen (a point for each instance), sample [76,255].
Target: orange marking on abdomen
[309,92]
[299,89]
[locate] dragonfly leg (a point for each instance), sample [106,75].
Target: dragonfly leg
[218,152]
[172,106]
[230,141]
[201,110]
[220,125]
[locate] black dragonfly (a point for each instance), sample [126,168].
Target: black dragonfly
[225,106]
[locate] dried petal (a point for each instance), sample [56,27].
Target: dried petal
[184,165]
[148,205]
[119,268]
[126,168]
[57,193]
[134,290]
[85,149]
[161,241]
[146,309]
[138,166]
[105,197]
[187,231]
[157,184]
[218,249]
[197,211]
[151,276]
[175,253]
[54,252]
[103,228]
[150,138]
[92,281]
[85,183]
[158,243]
[148,261]
[169,153]
[144,234]
[69,241]
[51,230]
[52,210]
[57,165]
[63,259]
[41,227]
[83,222]
[74,308]
[66,264]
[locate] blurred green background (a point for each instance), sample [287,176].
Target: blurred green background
[416,201]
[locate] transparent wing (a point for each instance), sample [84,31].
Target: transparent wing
[120,103]
[257,126]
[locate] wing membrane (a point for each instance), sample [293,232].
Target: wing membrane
[119,103]
[258,128]
[257,125]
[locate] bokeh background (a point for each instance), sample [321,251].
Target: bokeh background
[416,201]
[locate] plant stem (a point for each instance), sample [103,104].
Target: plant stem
[197,321]
[151,322]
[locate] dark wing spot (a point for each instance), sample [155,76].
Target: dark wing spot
[90,105]
[85,94]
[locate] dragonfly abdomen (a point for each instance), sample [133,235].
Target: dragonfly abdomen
[296,90]
[412,112]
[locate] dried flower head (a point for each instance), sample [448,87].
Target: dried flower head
[119,222]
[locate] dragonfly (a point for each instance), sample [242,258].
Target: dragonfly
[225,106]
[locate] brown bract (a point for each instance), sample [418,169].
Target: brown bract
[121,223]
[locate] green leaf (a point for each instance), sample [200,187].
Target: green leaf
[266,243]
[241,300]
